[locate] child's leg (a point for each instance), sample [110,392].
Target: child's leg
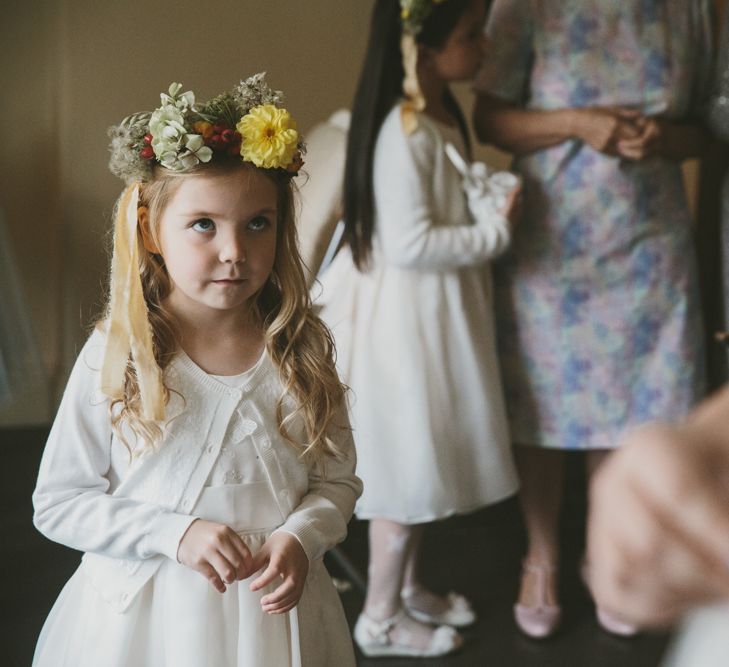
[390,548]
[418,596]
[541,472]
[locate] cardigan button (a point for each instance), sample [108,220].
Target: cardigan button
[237,394]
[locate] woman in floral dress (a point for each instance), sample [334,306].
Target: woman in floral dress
[597,301]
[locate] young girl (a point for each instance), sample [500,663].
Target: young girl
[409,301]
[201,455]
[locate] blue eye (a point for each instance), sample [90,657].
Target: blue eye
[258,224]
[203,225]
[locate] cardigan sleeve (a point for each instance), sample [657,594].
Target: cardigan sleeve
[72,500]
[404,190]
[320,520]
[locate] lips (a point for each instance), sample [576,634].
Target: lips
[229,281]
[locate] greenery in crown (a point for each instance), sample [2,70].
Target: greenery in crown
[249,121]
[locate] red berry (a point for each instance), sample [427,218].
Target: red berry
[234,149]
[147,153]
[217,129]
[227,136]
[148,138]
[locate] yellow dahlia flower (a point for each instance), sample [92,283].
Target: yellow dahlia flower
[269,136]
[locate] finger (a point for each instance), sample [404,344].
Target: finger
[282,592]
[702,526]
[630,153]
[225,569]
[283,607]
[236,553]
[246,557]
[270,574]
[624,112]
[212,576]
[260,559]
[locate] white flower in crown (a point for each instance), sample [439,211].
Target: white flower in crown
[174,146]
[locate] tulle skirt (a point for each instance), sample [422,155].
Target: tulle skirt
[179,620]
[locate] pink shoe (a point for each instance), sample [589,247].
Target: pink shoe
[607,621]
[614,625]
[543,620]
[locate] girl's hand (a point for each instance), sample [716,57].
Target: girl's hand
[647,144]
[658,538]
[604,128]
[215,551]
[283,557]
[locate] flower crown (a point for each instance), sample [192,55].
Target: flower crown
[414,12]
[248,121]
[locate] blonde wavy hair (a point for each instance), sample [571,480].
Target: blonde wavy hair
[298,342]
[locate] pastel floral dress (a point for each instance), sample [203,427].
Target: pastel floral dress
[597,304]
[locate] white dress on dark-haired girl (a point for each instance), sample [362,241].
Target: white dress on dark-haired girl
[415,339]
[130,603]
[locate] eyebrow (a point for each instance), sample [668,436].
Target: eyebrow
[209,214]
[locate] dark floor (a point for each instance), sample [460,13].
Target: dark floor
[477,555]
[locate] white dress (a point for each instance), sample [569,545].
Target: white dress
[179,620]
[415,340]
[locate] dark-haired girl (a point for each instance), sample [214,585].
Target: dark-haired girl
[409,301]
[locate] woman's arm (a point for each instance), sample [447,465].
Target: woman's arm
[517,130]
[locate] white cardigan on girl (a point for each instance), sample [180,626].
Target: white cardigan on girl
[129,515]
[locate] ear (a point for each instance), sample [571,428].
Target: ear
[143,221]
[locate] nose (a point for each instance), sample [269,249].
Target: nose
[232,249]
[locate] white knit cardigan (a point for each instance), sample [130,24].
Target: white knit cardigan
[129,516]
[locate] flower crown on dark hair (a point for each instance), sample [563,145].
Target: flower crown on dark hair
[249,121]
[414,12]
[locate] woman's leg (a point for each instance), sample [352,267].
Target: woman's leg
[613,624]
[541,472]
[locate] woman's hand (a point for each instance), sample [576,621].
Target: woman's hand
[215,551]
[647,144]
[603,128]
[665,138]
[658,530]
[283,558]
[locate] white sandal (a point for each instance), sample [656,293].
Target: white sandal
[458,613]
[373,639]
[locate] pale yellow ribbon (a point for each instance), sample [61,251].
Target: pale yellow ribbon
[415,101]
[129,332]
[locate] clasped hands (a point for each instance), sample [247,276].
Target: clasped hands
[621,132]
[220,555]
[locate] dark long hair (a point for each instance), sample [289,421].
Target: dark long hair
[379,89]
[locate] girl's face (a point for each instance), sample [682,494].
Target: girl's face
[460,56]
[217,236]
